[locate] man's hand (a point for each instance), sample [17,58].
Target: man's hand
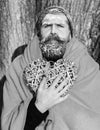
[48,97]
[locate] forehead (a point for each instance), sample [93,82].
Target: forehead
[55,18]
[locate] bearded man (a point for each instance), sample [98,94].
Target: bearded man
[79,108]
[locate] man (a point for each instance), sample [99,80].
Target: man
[81,109]
[21,98]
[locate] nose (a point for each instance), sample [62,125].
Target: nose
[53,29]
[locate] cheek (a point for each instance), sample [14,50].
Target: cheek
[45,33]
[64,34]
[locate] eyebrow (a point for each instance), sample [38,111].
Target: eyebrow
[46,24]
[50,24]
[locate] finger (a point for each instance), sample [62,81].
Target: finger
[64,91]
[61,99]
[55,82]
[42,84]
[61,86]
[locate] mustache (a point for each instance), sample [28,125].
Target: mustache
[53,37]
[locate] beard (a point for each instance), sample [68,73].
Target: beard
[53,48]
